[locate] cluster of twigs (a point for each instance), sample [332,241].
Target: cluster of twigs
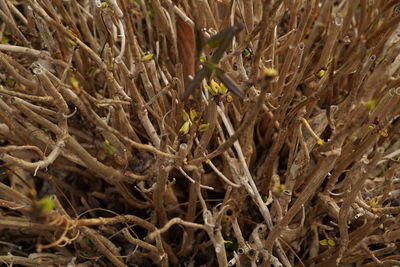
[104,162]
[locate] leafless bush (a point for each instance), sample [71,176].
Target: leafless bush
[104,162]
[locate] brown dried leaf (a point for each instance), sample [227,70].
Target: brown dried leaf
[186,47]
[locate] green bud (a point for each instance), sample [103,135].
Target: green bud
[104,5]
[223,89]
[247,53]
[147,57]
[193,114]
[185,128]
[109,147]
[71,42]
[215,87]
[321,73]
[270,72]
[74,82]
[185,116]
[331,242]
[370,104]
[204,127]
[47,204]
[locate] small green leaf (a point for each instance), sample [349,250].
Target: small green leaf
[215,87]
[47,204]
[193,114]
[204,127]
[247,53]
[104,5]
[270,72]
[185,128]
[71,42]
[327,242]
[223,89]
[370,104]
[109,147]
[321,73]
[323,242]
[185,116]
[209,89]
[147,57]
[72,70]
[74,82]
[373,203]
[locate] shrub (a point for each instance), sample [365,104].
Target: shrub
[199,133]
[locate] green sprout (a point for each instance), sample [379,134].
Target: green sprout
[210,89]
[247,53]
[147,57]
[109,147]
[270,72]
[321,73]
[373,203]
[193,114]
[185,116]
[46,204]
[71,42]
[223,89]
[104,5]
[327,242]
[74,82]
[185,128]
[215,87]
[370,104]
[204,127]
